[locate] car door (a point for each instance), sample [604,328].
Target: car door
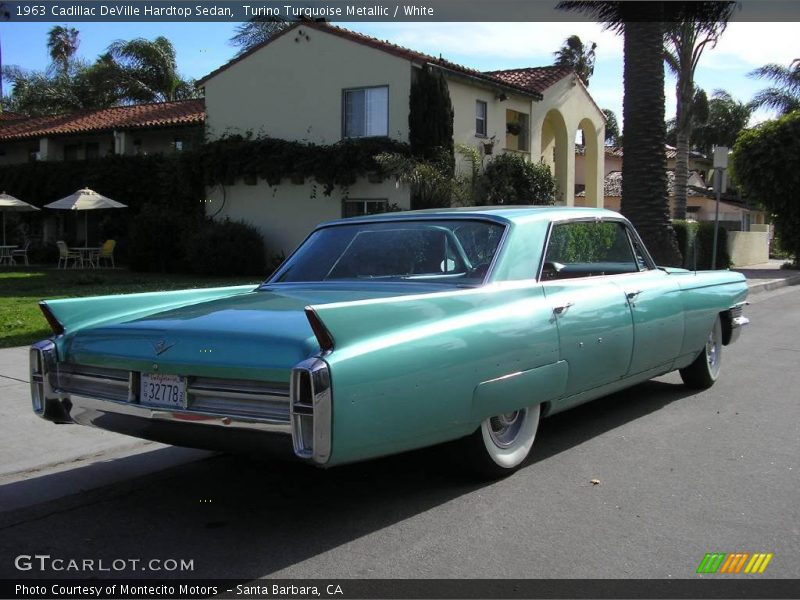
[654,298]
[592,315]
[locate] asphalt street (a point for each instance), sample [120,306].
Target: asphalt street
[680,474]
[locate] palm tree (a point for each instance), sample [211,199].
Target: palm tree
[149,71]
[612,127]
[684,42]
[726,118]
[62,43]
[644,177]
[573,53]
[255,32]
[783,97]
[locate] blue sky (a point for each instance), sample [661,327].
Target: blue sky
[202,47]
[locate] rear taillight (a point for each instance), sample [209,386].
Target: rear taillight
[311,408]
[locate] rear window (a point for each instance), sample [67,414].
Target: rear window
[458,251]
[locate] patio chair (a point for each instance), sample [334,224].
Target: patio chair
[106,253]
[22,253]
[65,255]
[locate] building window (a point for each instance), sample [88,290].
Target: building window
[178,145]
[71,151]
[480,118]
[358,208]
[366,112]
[92,151]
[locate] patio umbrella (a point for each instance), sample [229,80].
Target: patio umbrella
[10,203]
[85,199]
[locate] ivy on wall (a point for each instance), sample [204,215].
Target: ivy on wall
[173,181]
[341,164]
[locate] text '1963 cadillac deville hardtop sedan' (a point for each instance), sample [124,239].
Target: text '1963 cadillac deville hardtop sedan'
[391,332]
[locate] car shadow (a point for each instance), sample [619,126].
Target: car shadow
[246,517]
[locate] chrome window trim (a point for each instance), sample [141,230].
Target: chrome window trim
[388,219]
[632,235]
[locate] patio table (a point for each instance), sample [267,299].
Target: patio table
[5,255]
[86,253]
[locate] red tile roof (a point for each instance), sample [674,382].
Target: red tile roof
[140,116]
[389,48]
[6,115]
[535,79]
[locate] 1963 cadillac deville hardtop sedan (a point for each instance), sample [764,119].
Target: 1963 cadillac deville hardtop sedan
[391,332]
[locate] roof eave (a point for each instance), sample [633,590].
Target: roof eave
[490,83]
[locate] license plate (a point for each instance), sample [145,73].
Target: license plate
[158,389]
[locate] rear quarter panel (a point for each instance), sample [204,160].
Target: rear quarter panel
[405,371]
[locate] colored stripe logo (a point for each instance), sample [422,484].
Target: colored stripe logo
[734,562]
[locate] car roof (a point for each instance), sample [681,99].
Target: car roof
[505,214]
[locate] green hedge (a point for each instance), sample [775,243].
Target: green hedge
[697,239]
[225,248]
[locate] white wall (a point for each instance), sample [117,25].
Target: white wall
[748,247]
[285,214]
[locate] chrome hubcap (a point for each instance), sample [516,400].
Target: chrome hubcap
[711,351]
[504,429]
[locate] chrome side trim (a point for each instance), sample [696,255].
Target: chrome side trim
[311,410]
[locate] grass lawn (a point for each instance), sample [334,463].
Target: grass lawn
[21,321]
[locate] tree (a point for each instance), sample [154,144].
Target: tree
[612,127]
[255,32]
[644,178]
[148,71]
[684,43]
[764,163]
[62,43]
[573,53]
[81,87]
[784,96]
[727,117]
[430,118]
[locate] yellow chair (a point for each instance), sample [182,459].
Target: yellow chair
[65,255]
[106,253]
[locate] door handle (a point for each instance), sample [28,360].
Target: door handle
[558,310]
[632,295]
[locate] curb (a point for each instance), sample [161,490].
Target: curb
[773,284]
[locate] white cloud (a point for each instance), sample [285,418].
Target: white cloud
[524,43]
[745,46]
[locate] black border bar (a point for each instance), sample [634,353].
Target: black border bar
[76,11]
[711,587]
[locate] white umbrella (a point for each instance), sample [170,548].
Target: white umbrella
[85,199]
[10,203]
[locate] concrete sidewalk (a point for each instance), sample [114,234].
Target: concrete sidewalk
[769,276]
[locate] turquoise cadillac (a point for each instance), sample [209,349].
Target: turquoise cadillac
[391,332]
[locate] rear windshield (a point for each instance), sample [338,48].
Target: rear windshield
[457,251]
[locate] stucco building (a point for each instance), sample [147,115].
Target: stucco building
[319,83]
[158,128]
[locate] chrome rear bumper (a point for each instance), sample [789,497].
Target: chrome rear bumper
[219,414]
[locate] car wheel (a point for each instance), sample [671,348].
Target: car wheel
[502,443]
[704,371]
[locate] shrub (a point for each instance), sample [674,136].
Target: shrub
[510,179]
[705,244]
[686,234]
[155,239]
[225,248]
